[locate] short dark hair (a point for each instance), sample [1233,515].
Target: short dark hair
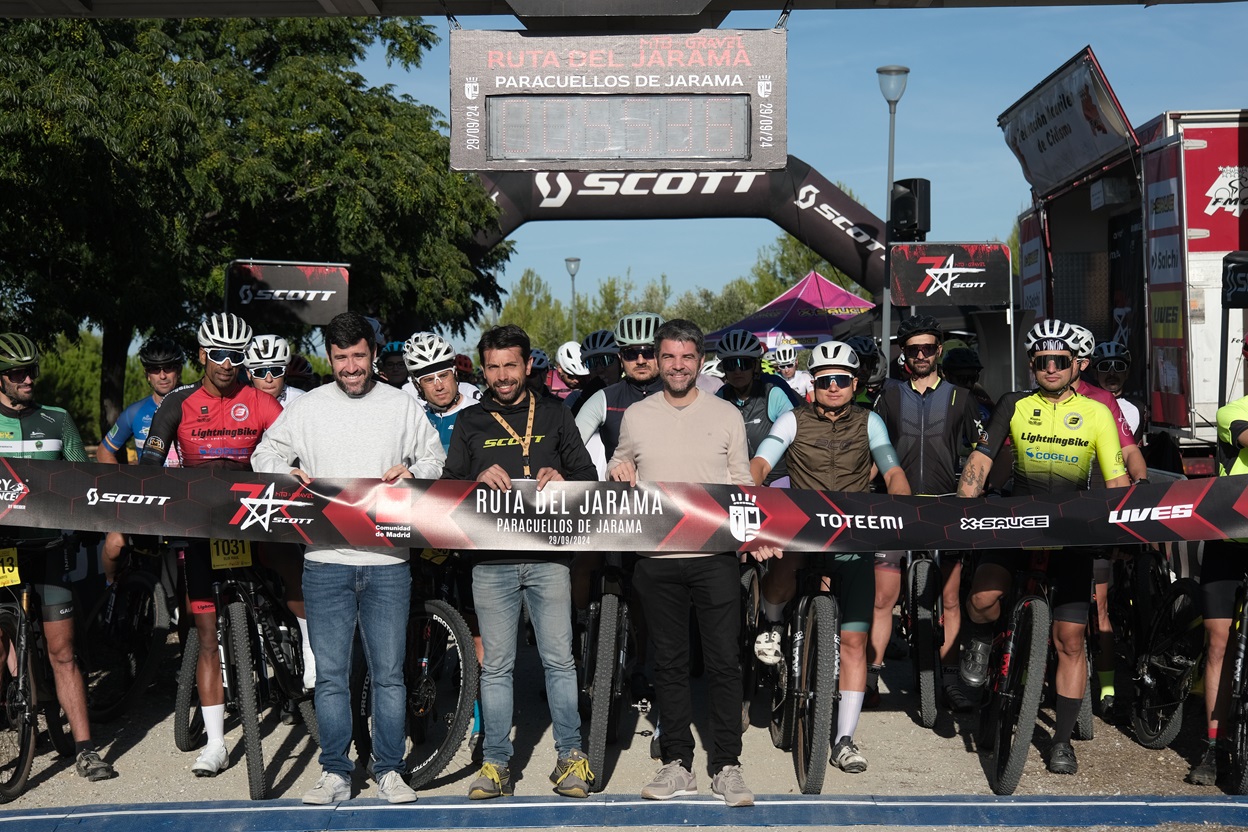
[680,329]
[503,338]
[346,330]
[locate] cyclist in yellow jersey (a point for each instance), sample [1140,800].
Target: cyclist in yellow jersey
[1221,570]
[1057,435]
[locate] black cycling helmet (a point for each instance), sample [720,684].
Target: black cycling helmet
[16,350]
[160,351]
[961,360]
[918,325]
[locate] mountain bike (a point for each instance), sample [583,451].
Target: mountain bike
[1167,664]
[922,614]
[261,650]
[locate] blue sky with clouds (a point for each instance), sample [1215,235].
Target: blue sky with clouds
[967,66]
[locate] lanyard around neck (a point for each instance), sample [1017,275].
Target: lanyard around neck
[528,432]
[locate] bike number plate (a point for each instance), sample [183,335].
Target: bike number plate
[8,568]
[229,554]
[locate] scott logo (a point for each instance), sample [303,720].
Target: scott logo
[246,294]
[95,497]
[744,518]
[1138,515]
[808,196]
[507,442]
[944,276]
[670,183]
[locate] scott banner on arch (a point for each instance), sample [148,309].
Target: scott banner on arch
[592,516]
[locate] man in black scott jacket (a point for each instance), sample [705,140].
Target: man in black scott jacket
[514,434]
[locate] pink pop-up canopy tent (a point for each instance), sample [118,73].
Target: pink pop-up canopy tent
[803,316]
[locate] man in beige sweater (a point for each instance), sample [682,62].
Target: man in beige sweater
[685,435]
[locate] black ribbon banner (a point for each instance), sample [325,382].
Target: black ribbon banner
[592,516]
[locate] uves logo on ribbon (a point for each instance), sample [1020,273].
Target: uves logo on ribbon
[261,507]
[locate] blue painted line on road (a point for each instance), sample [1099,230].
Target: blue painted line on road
[437,813]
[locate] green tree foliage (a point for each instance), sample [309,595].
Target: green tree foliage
[531,307]
[139,156]
[69,377]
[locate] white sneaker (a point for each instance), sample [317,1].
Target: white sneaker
[213,760]
[767,645]
[309,668]
[392,789]
[331,788]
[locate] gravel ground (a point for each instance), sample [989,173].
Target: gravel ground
[905,759]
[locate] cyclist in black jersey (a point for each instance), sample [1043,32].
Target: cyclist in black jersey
[761,397]
[1058,435]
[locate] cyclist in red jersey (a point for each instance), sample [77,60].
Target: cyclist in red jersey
[217,421]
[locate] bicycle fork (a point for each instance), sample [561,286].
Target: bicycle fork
[223,633]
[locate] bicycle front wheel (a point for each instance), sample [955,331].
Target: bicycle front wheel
[924,650]
[188,721]
[816,693]
[18,722]
[602,687]
[1019,696]
[1167,665]
[246,697]
[441,672]
[124,643]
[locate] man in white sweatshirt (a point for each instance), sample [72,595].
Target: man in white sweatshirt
[355,428]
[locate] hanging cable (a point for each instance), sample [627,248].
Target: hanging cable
[450,18]
[783,22]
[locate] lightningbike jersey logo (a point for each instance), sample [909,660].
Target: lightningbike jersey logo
[1123,517]
[247,293]
[944,276]
[260,506]
[95,497]
[669,183]
[1030,521]
[744,517]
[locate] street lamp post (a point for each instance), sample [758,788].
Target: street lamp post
[574,265]
[892,85]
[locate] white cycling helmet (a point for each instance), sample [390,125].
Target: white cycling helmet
[1083,342]
[1111,349]
[786,354]
[224,330]
[711,368]
[833,354]
[569,357]
[637,329]
[739,343]
[427,352]
[541,361]
[1050,330]
[266,351]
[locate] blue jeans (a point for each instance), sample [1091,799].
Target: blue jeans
[338,598]
[497,589]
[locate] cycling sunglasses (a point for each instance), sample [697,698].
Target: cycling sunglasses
[157,369]
[219,356]
[444,376]
[920,350]
[1040,363]
[1112,365]
[19,374]
[739,363]
[599,362]
[635,353]
[841,380]
[265,372]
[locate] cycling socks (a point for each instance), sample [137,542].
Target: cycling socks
[1066,714]
[214,723]
[873,678]
[1106,678]
[774,611]
[949,675]
[849,711]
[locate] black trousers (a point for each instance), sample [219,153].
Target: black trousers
[667,588]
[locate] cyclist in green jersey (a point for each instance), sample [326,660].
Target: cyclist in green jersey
[1057,434]
[29,430]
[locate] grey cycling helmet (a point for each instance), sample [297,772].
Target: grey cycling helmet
[569,358]
[224,330]
[1083,342]
[1051,331]
[541,361]
[599,342]
[833,354]
[427,352]
[1111,349]
[739,343]
[266,351]
[637,329]
[16,351]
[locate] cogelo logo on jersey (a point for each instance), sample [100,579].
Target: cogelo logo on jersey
[95,497]
[1030,521]
[1073,420]
[1122,517]
[247,293]
[261,506]
[239,412]
[744,517]
[11,490]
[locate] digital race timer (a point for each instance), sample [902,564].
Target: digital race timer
[708,100]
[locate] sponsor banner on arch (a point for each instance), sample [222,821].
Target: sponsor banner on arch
[592,516]
[271,295]
[950,274]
